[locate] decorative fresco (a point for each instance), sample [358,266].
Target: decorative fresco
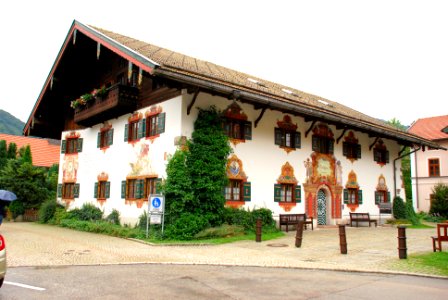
[287,177]
[70,168]
[352,183]
[142,164]
[235,171]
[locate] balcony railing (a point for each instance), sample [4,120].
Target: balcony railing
[120,100]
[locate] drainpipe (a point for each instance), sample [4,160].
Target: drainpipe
[416,182]
[395,170]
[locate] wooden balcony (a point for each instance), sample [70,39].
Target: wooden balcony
[120,100]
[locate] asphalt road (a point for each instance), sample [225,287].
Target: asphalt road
[156,281]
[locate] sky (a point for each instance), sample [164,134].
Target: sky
[387,59]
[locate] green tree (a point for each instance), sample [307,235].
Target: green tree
[439,204]
[3,154]
[399,208]
[25,154]
[12,151]
[206,164]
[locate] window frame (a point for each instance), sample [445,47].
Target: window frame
[280,136]
[237,129]
[131,188]
[105,138]
[231,187]
[323,144]
[353,192]
[433,167]
[68,190]
[284,193]
[133,128]
[71,146]
[150,182]
[102,188]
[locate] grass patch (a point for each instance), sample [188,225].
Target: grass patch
[434,263]
[419,226]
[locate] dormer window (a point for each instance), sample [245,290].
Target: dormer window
[323,141]
[286,135]
[235,124]
[380,153]
[351,148]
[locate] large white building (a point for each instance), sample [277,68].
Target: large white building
[293,152]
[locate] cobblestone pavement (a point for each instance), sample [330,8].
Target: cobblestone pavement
[369,249]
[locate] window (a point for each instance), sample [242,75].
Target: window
[133,128]
[237,129]
[68,190]
[382,197]
[287,138]
[287,193]
[381,156]
[233,190]
[149,187]
[350,148]
[105,138]
[434,167]
[352,196]
[102,189]
[155,124]
[71,145]
[134,188]
[324,145]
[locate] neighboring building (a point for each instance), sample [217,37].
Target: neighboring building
[293,152]
[429,166]
[44,152]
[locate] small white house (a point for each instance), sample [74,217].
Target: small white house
[122,107]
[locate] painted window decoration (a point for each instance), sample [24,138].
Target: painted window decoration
[139,188]
[102,187]
[154,122]
[68,190]
[323,140]
[434,167]
[235,124]
[352,193]
[380,153]
[382,194]
[72,144]
[351,148]
[287,191]
[105,137]
[286,135]
[238,188]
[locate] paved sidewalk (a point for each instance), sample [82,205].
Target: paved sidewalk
[369,249]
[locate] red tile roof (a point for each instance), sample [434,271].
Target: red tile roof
[430,128]
[45,152]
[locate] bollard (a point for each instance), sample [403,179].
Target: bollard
[299,234]
[258,231]
[342,239]
[402,249]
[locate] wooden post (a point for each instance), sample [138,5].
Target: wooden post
[402,249]
[342,239]
[258,231]
[299,234]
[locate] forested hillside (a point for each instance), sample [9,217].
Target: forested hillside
[10,124]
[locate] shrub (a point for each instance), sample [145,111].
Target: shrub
[399,208]
[410,213]
[16,208]
[248,219]
[142,220]
[88,212]
[102,227]
[430,217]
[186,227]
[224,230]
[60,214]
[114,217]
[47,211]
[440,203]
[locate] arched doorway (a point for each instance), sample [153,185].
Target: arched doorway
[321,207]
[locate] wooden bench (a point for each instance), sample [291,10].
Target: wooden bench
[442,236]
[293,219]
[361,217]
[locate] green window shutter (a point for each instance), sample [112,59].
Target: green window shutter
[76,190]
[126,132]
[358,151]
[98,140]
[376,155]
[345,149]
[315,144]
[95,190]
[298,193]
[387,157]
[297,140]
[79,145]
[59,190]
[388,197]
[63,146]
[330,146]
[247,131]
[246,191]
[139,189]
[158,184]
[123,189]
[161,123]
[110,136]
[345,196]
[108,189]
[359,196]
[278,136]
[277,192]
[377,197]
[141,128]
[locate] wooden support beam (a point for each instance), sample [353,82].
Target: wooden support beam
[190,106]
[342,134]
[260,116]
[376,140]
[311,127]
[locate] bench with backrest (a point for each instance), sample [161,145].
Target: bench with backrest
[442,236]
[361,217]
[293,219]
